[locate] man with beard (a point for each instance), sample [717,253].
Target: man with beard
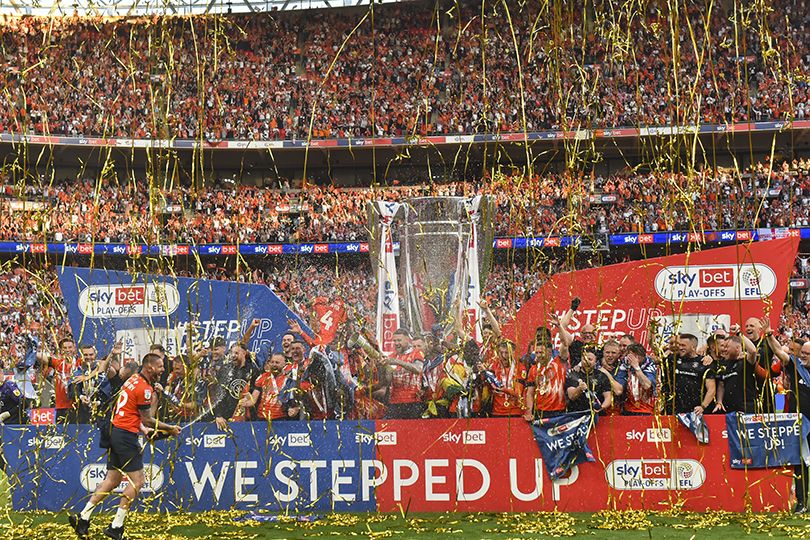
[587,388]
[404,374]
[84,384]
[688,384]
[267,392]
[736,378]
[228,382]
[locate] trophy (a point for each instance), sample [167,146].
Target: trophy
[445,247]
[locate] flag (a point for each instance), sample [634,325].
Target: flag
[563,441]
[767,440]
[697,425]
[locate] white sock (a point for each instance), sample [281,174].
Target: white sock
[88,511]
[120,516]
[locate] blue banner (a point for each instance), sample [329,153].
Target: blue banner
[563,441]
[286,466]
[758,441]
[140,309]
[175,250]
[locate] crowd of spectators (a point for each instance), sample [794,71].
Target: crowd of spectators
[411,68]
[555,203]
[30,298]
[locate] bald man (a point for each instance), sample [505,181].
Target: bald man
[755,330]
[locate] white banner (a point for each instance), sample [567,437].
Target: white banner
[472,297]
[387,283]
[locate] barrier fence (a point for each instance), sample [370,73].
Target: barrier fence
[470,465]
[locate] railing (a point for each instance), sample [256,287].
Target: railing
[431,140]
[316,248]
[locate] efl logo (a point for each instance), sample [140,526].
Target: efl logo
[716,277]
[385,438]
[214,440]
[128,296]
[299,439]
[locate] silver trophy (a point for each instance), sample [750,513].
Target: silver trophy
[445,249]
[435,259]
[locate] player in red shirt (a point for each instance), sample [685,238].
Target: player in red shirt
[63,366]
[507,392]
[545,382]
[133,410]
[267,389]
[405,375]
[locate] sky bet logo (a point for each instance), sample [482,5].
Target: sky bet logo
[655,474]
[715,282]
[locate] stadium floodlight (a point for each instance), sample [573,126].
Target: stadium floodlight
[137,8]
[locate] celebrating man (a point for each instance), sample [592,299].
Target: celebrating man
[125,459]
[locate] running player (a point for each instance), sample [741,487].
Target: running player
[125,460]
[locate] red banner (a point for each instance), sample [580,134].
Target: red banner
[495,465]
[738,282]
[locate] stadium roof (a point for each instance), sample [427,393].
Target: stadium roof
[130,8]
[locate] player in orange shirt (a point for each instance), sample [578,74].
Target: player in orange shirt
[133,410]
[545,382]
[64,365]
[507,392]
[405,376]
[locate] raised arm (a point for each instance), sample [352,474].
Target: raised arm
[562,323]
[773,343]
[493,322]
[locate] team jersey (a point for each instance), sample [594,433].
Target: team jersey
[597,385]
[739,385]
[636,399]
[549,385]
[507,392]
[685,382]
[135,395]
[615,408]
[406,387]
[63,371]
[270,386]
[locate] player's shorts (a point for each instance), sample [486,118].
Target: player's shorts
[125,452]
